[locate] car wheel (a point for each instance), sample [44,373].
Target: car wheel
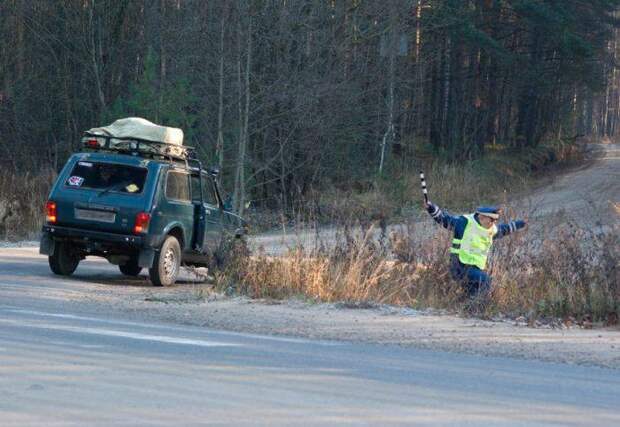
[167,263]
[65,260]
[130,268]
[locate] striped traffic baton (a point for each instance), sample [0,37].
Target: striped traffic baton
[424,191]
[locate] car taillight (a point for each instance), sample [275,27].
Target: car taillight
[91,143]
[142,223]
[50,212]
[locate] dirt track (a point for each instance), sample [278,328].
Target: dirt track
[590,192]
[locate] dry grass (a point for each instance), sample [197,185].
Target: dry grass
[461,185]
[22,203]
[571,272]
[361,267]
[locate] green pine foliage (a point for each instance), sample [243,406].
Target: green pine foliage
[159,101]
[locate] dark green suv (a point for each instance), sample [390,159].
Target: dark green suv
[138,204]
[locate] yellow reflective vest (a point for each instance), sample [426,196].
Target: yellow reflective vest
[473,248]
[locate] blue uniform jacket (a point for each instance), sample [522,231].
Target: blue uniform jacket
[458,223]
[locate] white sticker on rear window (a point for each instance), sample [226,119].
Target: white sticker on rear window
[87,164]
[75,181]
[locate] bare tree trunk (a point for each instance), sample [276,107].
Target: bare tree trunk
[614,85]
[19,36]
[239,165]
[389,131]
[220,113]
[246,132]
[162,55]
[418,30]
[244,112]
[95,63]
[446,91]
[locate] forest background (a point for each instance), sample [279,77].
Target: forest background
[307,103]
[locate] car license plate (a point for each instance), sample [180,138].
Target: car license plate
[90,215]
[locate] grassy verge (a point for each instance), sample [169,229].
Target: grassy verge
[22,203]
[569,271]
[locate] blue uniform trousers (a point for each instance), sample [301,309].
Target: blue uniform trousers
[476,282]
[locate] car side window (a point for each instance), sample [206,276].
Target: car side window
[195,188]
[177,187]
[208,192]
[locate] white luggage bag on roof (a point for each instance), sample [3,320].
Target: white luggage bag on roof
[123,131]
[139,128]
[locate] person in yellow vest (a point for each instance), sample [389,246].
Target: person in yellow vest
[473,236]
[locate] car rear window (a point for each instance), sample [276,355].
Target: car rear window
[107,176]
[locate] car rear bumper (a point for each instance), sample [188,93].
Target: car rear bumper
[88,236]
[100,243]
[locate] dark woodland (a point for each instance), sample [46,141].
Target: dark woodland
[288,97]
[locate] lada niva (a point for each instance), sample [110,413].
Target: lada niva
[138,203]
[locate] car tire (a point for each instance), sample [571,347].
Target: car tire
[130,268]
[167,263]
[64,260]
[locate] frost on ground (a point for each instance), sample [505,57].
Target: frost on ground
[195,304]
[390,325]
[20,244]
[98,289]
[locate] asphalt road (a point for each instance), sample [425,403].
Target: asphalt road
[59,367]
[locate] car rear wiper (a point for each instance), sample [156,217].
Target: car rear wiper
[112,187]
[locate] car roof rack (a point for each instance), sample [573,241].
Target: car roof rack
[138,147]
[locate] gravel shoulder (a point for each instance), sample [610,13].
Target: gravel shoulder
[97,289]
[389,325]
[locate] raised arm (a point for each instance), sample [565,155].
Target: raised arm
[505,229]
[444,218]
